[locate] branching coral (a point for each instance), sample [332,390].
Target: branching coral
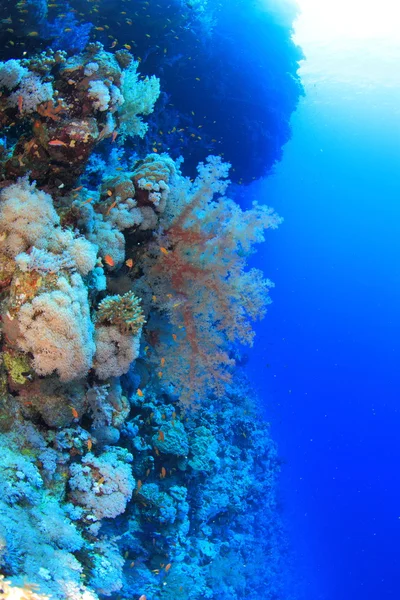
[196,271]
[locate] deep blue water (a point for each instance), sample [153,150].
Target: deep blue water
[327,357]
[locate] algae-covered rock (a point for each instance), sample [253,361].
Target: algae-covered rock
[18,367]
[203,450]
[172,439]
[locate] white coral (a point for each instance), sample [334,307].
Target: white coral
[115,351]
[27,218]
[56,328]
[103,485]
[11,73]
[32,91]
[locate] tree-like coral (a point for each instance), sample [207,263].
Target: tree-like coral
[196,272]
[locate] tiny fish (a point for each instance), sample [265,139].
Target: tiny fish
[161,436]
[109,193]
[160,374]
[74,412]
[142,597]
[114,136]
[109,260]
[163,472]
[57,143]
[129,263]
[89,444]
[162,361]
[78,189]
[167,568]
[20,103]
[174,337]
[138,485]
[139,392]
[33,34]
[164,250]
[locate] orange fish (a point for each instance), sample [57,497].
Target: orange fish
[139,485]
[167,568]
[113,205]
[161,436]
[109,260]
[139,392]
[78,189]
[101,480]
[57,143]
[174,337]
[129,263]
[114,136]
[164,250]
[86,201]
[148,472]
[74,412]
[163,472]
[20,103]
[142,597]
[160,374]
[89,444]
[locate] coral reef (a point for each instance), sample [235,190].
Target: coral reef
[133,462]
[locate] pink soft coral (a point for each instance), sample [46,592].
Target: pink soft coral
[196,270]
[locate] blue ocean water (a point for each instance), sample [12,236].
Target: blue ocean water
[328,364]
[145,453]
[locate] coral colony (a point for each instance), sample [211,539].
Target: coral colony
[133,463]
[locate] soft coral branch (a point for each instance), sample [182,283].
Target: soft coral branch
[196,269]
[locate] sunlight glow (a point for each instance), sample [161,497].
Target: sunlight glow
[350,42]
[351,19]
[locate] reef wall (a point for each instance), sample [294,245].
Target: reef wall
[133,460]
